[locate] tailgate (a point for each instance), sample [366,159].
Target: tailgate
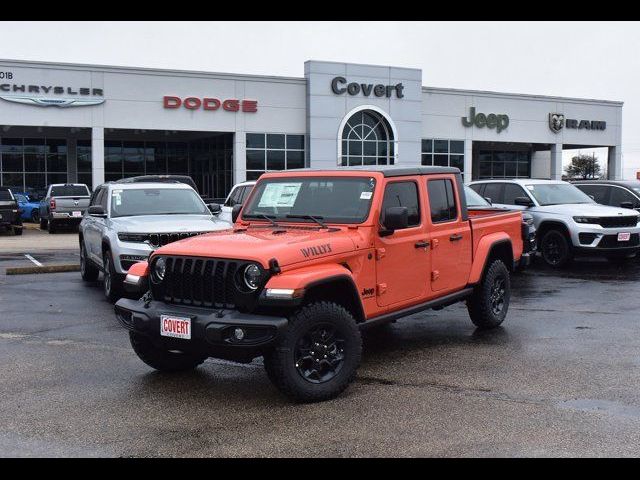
[7,210]
[486,222]
[69,204]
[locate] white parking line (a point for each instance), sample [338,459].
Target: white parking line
[38,264]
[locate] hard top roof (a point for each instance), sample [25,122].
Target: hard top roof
[386,170]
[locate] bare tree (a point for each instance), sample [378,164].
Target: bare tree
[584,167]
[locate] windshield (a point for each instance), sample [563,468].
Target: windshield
[558,194]
[331,199]
[70,191]
[156,201]
[474,199]
[5,195]
[21,198]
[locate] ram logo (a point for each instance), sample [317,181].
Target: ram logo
[316,250]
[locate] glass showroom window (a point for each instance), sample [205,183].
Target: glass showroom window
[273,151]
[83,155]
[504,164]
[367,139]
[443,153]
[131,158]
[32,163]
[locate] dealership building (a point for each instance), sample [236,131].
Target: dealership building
[90,124]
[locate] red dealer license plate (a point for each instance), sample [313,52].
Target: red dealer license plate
[176,327]
[624,236]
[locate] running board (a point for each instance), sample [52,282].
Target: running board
[439,302]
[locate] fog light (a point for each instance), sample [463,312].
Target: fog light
[238,333]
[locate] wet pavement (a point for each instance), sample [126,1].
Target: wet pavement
[560,378]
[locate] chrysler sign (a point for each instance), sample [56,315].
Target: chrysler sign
[37,99]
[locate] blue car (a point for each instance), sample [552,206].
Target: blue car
[30,209]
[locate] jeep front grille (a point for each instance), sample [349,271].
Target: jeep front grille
[617,222]
[201,282]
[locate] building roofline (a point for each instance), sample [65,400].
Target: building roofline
[150,70]
[458,91]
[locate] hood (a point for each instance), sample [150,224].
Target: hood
[168,223]
[262,244]
[587,210]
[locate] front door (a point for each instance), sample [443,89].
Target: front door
[450,236]
[402,258]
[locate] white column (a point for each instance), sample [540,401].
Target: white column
[614,163]
[72,160]
[556,162]
[97,155]
[468,160]
[239,157]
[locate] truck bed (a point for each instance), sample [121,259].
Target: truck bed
[487,221]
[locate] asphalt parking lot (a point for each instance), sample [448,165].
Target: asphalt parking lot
[558,379]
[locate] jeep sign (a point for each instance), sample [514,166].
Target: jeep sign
[480,120]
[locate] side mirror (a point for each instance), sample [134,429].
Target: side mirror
[97,211]
[488,199]
[523,201]
[235,212]
[626,205]
[395,218]
[214,208]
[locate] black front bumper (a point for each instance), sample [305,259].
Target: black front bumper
[211,330]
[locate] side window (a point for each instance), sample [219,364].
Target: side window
[494,192]
[619,195]
[442,201]
[245,194]
[598,192]
[104,198]
[477,188]
[403,194]
[234,199]
[511,192]
[94,197]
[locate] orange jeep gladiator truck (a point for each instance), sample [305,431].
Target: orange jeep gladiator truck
[315,256]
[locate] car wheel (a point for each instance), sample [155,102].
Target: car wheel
[556,249]
[489,303]
[17,230]
[43,224]
[162,359]
[111,281]
[52,227]
[88,271]
[35,216]
[318,355]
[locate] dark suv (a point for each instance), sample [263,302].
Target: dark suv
[616,193]
[9,212]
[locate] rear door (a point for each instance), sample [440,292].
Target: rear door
[93,228]
[599,193]
[402,266]
[449,235]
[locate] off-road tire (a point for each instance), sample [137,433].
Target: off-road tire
[43,224]
[88,271]
[280,363]
[115,289]
[482,303]
[161,359]
[565,249]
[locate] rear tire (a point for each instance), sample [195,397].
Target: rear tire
[318,355]
[35,216]
[88,271]
[161,359]
[43,224]
[52,227]
[489,303]
[17,230]
[111,281]
[556,249]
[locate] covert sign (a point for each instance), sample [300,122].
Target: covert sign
[367,89]
[480,120]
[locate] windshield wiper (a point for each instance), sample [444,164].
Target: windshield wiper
[262,215]
[315,218]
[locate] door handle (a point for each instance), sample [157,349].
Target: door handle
[422,244]
[455,237]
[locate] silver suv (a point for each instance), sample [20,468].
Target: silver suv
[125,222]
[568,221]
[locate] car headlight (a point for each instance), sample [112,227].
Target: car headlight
[251,276]
[159,269]
[132,237]
[583,220]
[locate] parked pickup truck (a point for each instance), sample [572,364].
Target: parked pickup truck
[314,256]
[64,203]
[10,212]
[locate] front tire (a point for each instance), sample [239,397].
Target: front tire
[111,281]
[489,303]
[556,249]
[161,359]
[35,216]
[88,271]
[318,355]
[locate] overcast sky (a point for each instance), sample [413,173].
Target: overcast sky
[582,59]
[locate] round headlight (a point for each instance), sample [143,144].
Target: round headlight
[251,276]
[159,269]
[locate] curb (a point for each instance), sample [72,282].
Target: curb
[43,269]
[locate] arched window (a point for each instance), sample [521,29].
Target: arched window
[367,139]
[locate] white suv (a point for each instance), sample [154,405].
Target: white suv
[125,222]
[237,196]
[568,221]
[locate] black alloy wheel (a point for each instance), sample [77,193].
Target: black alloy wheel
[319,354]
